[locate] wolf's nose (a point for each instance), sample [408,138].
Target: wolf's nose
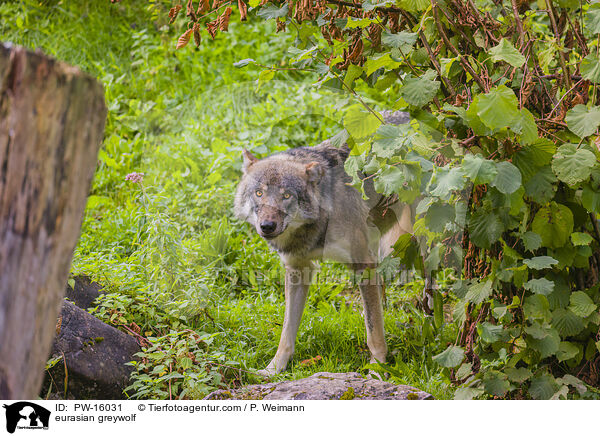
[268,227]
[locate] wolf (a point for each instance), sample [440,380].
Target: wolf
[301,203]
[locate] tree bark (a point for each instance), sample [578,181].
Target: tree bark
[51,125]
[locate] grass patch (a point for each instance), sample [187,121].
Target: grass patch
[198,285]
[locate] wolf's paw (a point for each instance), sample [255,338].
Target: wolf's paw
[267,372]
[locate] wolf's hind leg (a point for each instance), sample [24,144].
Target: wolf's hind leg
[370,291]
[297,282]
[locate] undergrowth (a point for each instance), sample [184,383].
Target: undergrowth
[200,291]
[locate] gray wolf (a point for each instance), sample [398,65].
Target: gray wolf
[300,202]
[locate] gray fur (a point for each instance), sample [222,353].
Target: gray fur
[323,218]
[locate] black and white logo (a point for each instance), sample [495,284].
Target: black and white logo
[26,415]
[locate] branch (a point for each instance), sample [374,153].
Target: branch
[562,58]
[518,21]
[435,62]
[463,61]
[359,6]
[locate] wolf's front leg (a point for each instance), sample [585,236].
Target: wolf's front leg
[370,291]
[297,282]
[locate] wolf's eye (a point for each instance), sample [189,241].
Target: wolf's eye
[286,195]
[258,193]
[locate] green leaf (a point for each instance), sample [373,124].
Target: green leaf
[592,19]
[479,292]
[537,331]
[448,181]
[495,384]
[518,375]
[404,41]
[419,91]
[451,357]
[352,73]
[478,169]
[590,199]
[390,139]
[590,67]
[566,351]
[579,238]
[572,165]
[507,52]
[489,332]
[533,156]
[575,382]
[541,286]
[381,61]
[546,346]
[537,307]
[354,23]
[554,223]
[540,262]
[415,5]
[543,387]
[508,179]
[485,228]
[498,108]
[566,322]
[467,393]
[390,180]
[583,122]
[581,304]
[531,240]
[541,186]
[360,124]
[243,63]
[271,11]
[525,125]
[438,215]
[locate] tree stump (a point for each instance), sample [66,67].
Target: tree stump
[51,125]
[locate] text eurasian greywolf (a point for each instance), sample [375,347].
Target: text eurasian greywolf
[301,203]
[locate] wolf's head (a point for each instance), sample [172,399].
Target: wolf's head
[278,194]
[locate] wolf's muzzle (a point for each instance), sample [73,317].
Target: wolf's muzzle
[268,227]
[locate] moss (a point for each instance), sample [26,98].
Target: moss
[412,396]
[348,395]
[98,339]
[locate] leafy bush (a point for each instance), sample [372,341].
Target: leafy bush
[503,151]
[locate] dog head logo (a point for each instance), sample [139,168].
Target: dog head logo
[26,415]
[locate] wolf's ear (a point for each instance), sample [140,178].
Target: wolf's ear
[249,159]
[314,172]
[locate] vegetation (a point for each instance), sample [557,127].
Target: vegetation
[502,150]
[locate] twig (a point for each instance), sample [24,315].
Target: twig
[595,225]
[354,93]
[170,370]
[66,381]
[359,6]
[546,120]
[435,63]
[519,23]
[284,69]
[432,57]
[449,45]
[143,340]
[562,98]
[457,27]
[562,57]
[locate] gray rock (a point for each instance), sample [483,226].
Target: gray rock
[84,292]
[324,386]
[95,355]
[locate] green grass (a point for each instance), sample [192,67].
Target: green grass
[171,254]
